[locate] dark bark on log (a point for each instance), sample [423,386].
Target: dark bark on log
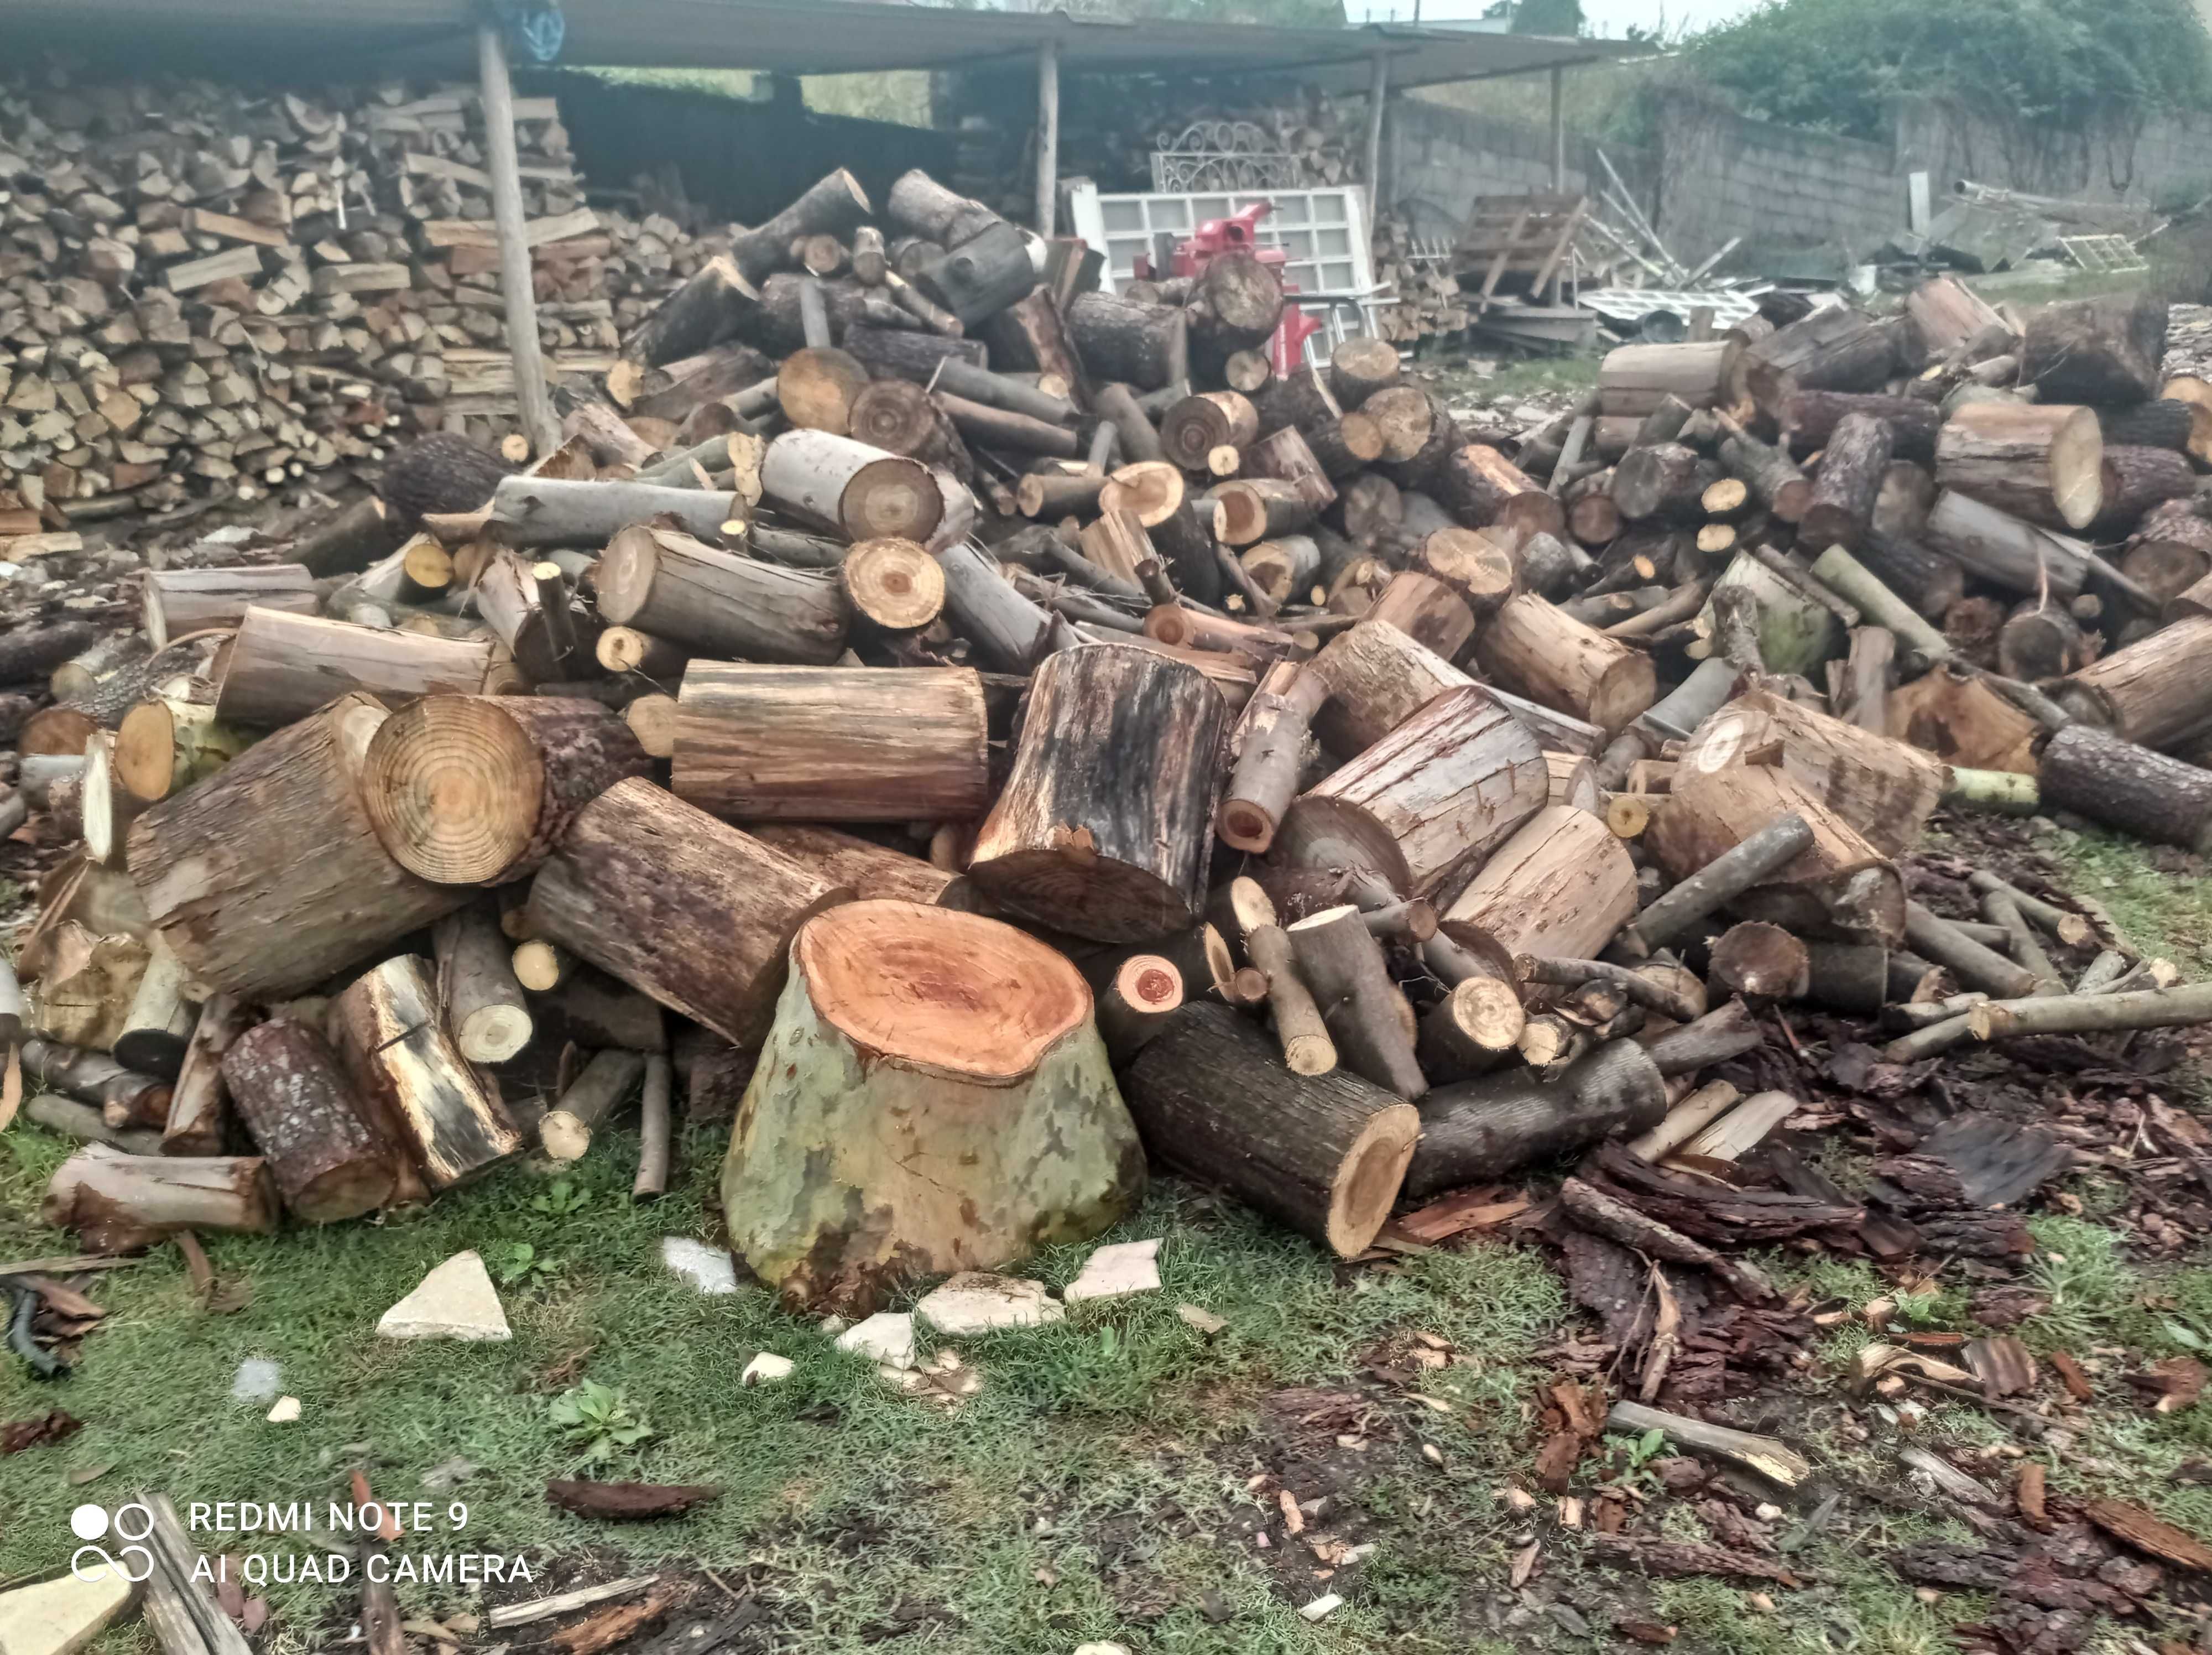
[1482,1130]
[1810,420]
[2123,786]
[1343,966]
[2110,350]
[1713,1039]
[907,353]
[1141,345]
[1842,508]
[835,205]
[296,1100]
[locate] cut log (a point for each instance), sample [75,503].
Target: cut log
[835,483]
[2041,463]
[1011,633]
[1488,1128]
[2110,349]
[1921,644]
[1883,788]
[835,205]
[914,1038]
[478,789]
[2123,786]
[1342,965]
[713,305]
[1546,655]
[1948,313]
[1275,731]
[1964,722]
[1842,510]
[1760,962]
[1809,421]
[94,1077]
[588,1102]
[1300,1028]
[831,744]
[1324,1154]
[1285,457]
[484,1009]
[176,602]
[158,1025]
[2040,643]
[1839,883]
[2170,423]
[2157,691]
[423,1095]
[1375,677]
[1194,428]
[1483,488]
[908,354]
[1473,565]
[2169,553]
[199,1106]
[1141,345]
[269,877]
[1437,796]
[664,582]
[1102,826]
[678,905]
[1634,380]
[1665,482]
[1562,886]
[280,667]
[119,1204]
[2019,556]
[870,871]
[439,473]
[1838,349]
[1255,509]
[2137,479]
[1777,485]
[164,746]
[535,511]
[305,1116]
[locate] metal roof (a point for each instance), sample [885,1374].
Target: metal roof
[356,40]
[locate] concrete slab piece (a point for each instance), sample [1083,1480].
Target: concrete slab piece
[455,1301]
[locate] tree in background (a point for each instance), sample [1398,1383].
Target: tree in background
[1560,19]
[2055,63]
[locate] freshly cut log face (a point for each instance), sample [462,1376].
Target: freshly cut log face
[1563,886]
[1102,826]
[934,1096]
[477,789]
[2044,464]
[426,1095]
[1885,788]
[832,744]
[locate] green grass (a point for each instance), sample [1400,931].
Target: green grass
[2169,917]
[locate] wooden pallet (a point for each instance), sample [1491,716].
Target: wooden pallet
[1514,236]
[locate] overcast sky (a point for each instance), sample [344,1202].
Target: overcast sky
[1607,17]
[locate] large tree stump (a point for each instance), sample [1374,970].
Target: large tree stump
[478,789]
[308,1122]
[2157,691]
[2109,350]
[1104,825]
[2033,461]
[1436,795]
[1840,885]
[1544,654]
[832,744]
[1563,885]
[934,1097]
[2130,787]
[678,905]
[269,877]
[664,582]
[422,1094]
[1322,1153]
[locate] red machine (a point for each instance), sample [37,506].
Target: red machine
[1240,233]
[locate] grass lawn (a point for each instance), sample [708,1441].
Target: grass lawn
[1115,1475]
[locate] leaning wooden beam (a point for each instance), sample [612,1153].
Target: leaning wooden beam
[517,280]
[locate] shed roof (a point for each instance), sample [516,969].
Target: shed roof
[365,39]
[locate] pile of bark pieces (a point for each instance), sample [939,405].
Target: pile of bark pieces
[209,294]
[1030,738]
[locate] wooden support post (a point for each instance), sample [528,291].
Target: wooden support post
[1558,132]
[1048,173]
[1378,92]
[538,421]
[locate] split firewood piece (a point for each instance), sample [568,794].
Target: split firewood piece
[2156,691]
[108,809]
[1481,1130]
[728,905]
[1839,881]
[269,877]
[485,1011]
[911,1034]
[1742,1129]
[1276,729]
[158,1025]
[1842,508]
[1324,1153]
[311,1126]
[1574,781]
[118,1203]
[1562,886]
[871,870]
[533,511]
[179,601]
[1101,827]
[2041,462]
[1343,966]
[2123,786]
[587,1101]
[422,1093]
[199,1105]
[1885,788]
[717,603]
[478,789]
[1973,964]
[2000,906]
[165,745]
[279,667]
[1435,796]
[1544,654]
[1763,962]
[1695,1112]
[832,744]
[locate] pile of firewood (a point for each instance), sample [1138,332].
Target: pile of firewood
[1426,297]
[206,293]
[1032,740]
